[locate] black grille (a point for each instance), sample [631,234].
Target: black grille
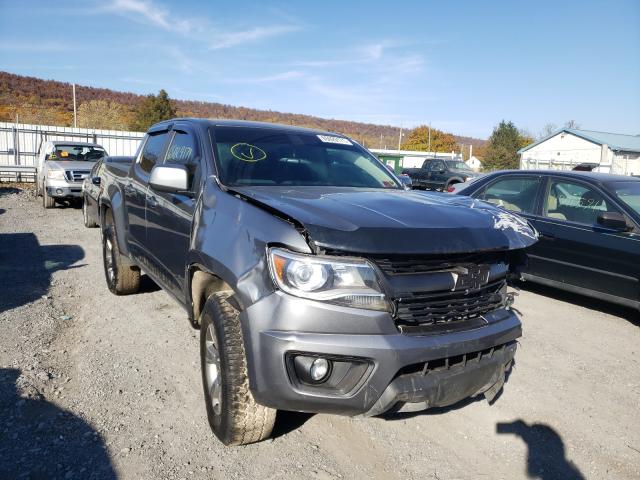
[430,312]
[448,363]
[405,265]
[77,175]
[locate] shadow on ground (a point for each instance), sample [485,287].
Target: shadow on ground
[628,314]
[8,191]
[26,267]
[39,440]
[546,456]
[287,422]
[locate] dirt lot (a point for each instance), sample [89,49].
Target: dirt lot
[98,386]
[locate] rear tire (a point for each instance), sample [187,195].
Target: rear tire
[234,415]
[88,222]
[47,201]
[123,278]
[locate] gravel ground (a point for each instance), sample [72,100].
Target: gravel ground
[98,386]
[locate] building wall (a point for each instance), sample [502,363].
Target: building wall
[565,150]
[562,152]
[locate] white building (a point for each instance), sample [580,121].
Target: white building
[474,164]
[566,148]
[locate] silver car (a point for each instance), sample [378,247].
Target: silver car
[62,166]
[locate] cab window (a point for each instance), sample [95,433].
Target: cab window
[437,166]
[575,202]
[152,151]
[183,150]
[516,194]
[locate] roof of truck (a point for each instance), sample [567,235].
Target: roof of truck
[206,122]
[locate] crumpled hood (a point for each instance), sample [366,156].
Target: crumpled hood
[379,221]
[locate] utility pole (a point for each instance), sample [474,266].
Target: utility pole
[400,137]
[429,147]
[75,117]
[380,140]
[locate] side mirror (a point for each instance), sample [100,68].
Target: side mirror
[95,181]
[613,220]
[169,179]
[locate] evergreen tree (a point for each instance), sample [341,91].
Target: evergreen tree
[502,148]
[153,109]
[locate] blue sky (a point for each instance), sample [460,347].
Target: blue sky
[463,66]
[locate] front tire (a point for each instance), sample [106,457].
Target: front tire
[123,278]
[234,415]
[47,201]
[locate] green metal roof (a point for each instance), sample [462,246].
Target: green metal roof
[615,141]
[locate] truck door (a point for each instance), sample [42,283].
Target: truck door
[135,192]
[437,174]
[170,215]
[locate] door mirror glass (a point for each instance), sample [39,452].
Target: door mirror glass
[613,220]
[169,179]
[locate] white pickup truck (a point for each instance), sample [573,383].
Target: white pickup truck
[62,166]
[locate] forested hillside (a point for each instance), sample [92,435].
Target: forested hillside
[35,100]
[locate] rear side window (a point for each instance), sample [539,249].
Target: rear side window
[575,202]
[514,194]
[152,151]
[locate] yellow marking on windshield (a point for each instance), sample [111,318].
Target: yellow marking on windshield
[248,153]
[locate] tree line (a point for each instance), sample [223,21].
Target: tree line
[49,102]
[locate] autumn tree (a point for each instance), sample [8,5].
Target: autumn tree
[103,114]
[502,148]
[153,109]
[418,139]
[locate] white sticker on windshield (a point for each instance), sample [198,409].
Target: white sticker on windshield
[330,139]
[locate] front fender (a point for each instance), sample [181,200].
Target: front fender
[230,240]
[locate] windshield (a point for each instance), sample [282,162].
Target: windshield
[77,153]
[628,192]
[265,156]
[457,165]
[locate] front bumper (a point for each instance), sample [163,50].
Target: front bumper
[280,326]
[70,192]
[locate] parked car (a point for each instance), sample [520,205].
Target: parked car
[92,188]
[589,225]
[439,174]
[61,168]
[456,187]
[318,283]
[406,181]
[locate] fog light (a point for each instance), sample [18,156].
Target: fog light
[319,369]
[59,191]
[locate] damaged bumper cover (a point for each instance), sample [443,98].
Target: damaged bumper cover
[374,366]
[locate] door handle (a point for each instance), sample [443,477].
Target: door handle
[546,236]
[152,202]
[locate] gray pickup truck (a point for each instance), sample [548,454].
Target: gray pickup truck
[318,283]
[62,167]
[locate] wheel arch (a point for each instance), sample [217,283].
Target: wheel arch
[202,283]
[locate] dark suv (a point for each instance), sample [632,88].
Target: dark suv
[318,283]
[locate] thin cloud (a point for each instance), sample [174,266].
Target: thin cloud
[233,39]
[152,13]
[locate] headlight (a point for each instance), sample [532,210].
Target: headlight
[56,174]
[348,282]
